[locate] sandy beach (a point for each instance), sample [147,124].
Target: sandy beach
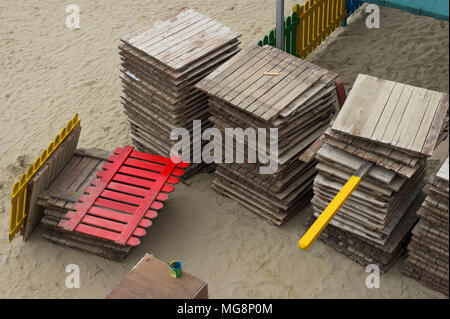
[50,72]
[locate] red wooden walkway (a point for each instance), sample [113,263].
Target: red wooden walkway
[125,196]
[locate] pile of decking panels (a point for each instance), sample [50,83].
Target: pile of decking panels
[428,250]
[161,63]
[396,127]
[263,87]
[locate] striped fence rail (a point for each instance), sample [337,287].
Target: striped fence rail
[19,191]
[317,20]
[311,23]
[290,35]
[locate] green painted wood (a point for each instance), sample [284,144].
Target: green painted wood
[290,36]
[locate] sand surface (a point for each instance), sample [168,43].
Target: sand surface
[49,72]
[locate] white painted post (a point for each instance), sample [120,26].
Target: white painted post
[280,25]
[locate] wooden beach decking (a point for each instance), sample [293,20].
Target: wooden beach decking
[396,128]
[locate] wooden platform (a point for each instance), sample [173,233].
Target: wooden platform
[400,116]
[266,88]
[76,216]
[161,63]
[395,127]
[151,279]
[428,251]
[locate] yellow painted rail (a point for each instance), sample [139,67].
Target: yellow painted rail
[19,190]
[319,225]
[317,19]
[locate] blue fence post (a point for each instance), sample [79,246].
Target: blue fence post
[351,6]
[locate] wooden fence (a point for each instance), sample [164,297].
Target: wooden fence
[19,190]
[309,25]
[290,35]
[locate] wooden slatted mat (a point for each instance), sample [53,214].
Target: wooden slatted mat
[395,128]
[428,255]
[151,279]
[127,189]
[266,88]
[161,63]
[400,116]
[103,203]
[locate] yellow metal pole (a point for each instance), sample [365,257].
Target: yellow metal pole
[324,219]
[319,225]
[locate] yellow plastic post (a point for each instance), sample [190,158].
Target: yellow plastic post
[319,225]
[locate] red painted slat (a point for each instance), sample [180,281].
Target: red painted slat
[127,189]
[156,205]
[138,172]
[106,234]
[147,202]
[177,172]
[116,205]
[108,175]
[145,165]
[150,157]
[113,215]
[140,182]
[121,197]
[110,225]
[119,206]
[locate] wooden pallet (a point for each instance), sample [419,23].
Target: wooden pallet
[161,63]
[428,253]
[263,87]
[103,202]
[396,115]
[364,251]
[395,128]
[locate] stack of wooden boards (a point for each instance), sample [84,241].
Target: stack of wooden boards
[395,127]
[266,88]
[58,199]
[428,250]
[151,279]
[161,63]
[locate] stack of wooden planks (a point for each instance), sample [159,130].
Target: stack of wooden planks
[161,63]
[266,88]
[104,203]
[395,127]
[58,199]
[428,250]
[151,279]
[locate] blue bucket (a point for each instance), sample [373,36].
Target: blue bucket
[176,269]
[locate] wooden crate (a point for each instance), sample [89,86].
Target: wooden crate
[151,279]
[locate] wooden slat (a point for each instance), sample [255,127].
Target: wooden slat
[443,171]
[284,68]
[159,28]
[397,114]
[293,90]
[431,109]
[215,77]
[267,92]
[366,126]
[411,118]
[247,70]
[156,44]
[173,48]
[436,126]
[359,106]
[251,75]
[388,111]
